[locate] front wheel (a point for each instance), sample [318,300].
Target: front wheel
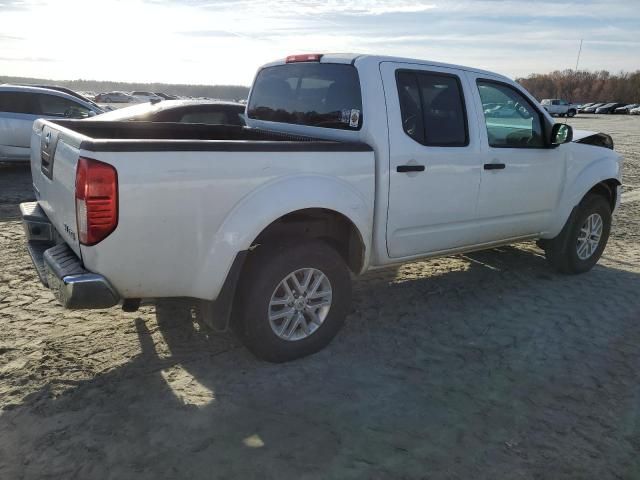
[571,113]
[581,242]
[293,299]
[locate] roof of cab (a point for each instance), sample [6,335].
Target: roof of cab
[356,58]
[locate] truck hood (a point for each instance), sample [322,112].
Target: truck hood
[580,134]
[598,139]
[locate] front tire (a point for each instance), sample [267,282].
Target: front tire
[293,299]
[571,113]
[584,237]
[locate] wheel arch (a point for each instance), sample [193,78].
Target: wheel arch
[608,189]
[598,182]
[328,225]
[261,214]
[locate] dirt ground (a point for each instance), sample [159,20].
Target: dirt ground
[482,366]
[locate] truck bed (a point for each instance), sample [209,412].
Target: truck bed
[191,196]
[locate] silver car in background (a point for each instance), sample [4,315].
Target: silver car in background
[20,106]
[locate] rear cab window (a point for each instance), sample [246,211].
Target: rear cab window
[314,94]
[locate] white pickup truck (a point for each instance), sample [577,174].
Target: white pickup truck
[557,106]
[350,163]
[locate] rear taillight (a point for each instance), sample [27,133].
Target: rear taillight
[96,200]
[306,57]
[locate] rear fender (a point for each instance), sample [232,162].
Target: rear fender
[267,204]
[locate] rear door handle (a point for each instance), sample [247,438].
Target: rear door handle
[410,168]
[494,166]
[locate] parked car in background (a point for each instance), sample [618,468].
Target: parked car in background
[68,91]
[166,96]
[353,163]
[557,106]
[635,111]
[114,97]
[584,106]
[21,105]
[626,108]
[592,108]
[140,96]
[609,107]
[181,111]
[88,94]
[505,110]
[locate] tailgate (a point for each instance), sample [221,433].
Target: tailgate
[54,155]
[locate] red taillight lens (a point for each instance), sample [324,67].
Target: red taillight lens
[96,200]
[307,57]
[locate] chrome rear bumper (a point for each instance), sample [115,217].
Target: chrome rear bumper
[59,268]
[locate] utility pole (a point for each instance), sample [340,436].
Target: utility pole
[579,52]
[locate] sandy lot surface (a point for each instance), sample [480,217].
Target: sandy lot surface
[483,366]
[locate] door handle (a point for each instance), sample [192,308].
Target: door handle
[494,166]
[409,168]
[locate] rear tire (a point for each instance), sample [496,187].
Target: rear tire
[277,319]
[584,237]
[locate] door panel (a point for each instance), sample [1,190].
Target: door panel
[15,129]
[517,199]
[432,189]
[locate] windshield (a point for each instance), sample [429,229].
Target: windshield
[314,94]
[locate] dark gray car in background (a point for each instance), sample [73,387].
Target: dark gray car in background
[181,111]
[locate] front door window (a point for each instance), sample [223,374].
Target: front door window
[511,120]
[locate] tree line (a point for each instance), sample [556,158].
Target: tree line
[584,86]
[222,92]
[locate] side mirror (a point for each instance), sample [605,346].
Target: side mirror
[91,113]
[561,133]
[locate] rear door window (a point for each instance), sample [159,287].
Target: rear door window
[432,108]
[18,102]
[315,94]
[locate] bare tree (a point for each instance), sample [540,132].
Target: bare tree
[584,86]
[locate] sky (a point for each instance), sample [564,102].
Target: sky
[224,42]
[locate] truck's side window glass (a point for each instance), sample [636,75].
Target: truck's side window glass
[432,108]
[512,122]
[17,102]
[61,107]
[410,106]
